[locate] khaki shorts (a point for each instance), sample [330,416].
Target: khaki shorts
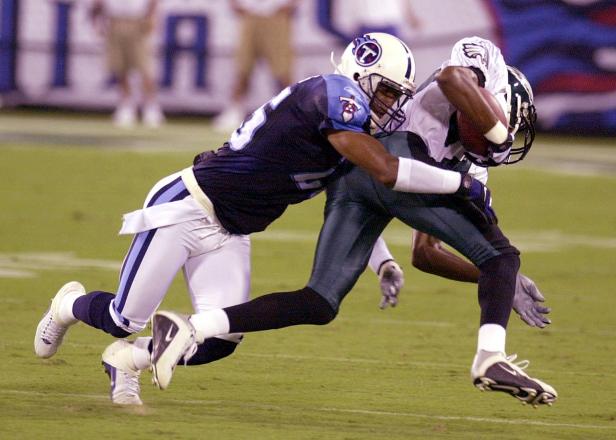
[128,47]
[268,38]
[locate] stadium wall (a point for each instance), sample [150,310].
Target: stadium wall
[51,55]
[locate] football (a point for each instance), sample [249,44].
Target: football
[472,138]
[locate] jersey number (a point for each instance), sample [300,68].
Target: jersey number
[244,134]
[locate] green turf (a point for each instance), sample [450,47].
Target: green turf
[393,374]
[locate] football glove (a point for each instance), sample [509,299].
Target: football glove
[526,303]
[391,279]
[476,201]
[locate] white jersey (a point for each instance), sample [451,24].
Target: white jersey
[429,112]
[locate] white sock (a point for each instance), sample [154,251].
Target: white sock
[491,338]
[210,323]
[65,311]
[141,355]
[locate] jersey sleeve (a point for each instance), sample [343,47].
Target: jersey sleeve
[347,108]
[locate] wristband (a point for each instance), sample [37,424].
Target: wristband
[497,134]
[378,272]
[417,177]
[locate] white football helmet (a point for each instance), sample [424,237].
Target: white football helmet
[384,68]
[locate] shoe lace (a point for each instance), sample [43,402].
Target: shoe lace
[52,331]
[522,365]
[131,383]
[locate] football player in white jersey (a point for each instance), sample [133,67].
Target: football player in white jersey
[431,114]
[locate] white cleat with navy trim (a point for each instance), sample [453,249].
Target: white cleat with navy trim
[51,329]
[124,377]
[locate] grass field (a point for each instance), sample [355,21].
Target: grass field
[371,374]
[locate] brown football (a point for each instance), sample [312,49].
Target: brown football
[472,138]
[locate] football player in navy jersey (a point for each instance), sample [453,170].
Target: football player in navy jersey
[198,219]
[357,210]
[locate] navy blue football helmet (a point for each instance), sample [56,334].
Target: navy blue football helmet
[522,114]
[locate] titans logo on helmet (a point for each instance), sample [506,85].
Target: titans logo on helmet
[367,51]
[349,108]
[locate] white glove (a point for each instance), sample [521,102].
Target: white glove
[391,279]
[526,303]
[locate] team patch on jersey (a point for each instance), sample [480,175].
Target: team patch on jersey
[474,50]
[349,108]
[367,51]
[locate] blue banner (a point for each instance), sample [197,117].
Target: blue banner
[568,53]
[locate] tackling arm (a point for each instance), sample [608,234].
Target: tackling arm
[401,174]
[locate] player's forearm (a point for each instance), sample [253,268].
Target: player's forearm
[401,173]
[460,86]
[429,256]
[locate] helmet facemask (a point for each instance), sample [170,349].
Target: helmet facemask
[387,98]
[522,114]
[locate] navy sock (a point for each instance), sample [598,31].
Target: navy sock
[93,309]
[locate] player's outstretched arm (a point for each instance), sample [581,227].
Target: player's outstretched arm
[391,276]
[429,256]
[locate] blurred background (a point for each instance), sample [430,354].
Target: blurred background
[55,53]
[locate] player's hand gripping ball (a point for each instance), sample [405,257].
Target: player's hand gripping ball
[471,137]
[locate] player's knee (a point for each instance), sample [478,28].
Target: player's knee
[321,311]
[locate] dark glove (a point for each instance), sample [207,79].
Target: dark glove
[526,303]
[476,201]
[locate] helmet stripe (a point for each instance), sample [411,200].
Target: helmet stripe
[409,67]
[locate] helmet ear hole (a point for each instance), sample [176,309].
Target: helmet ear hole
[356,76]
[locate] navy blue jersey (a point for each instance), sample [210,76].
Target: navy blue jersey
[280,155]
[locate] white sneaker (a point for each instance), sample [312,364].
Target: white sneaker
[497,372]
[153,116]
[124,116]
[51,328]
[229,120]
[173,338]
[124,377]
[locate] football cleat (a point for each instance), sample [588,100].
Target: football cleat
[173,339]
[120,367]
[499,373]
[51,329]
